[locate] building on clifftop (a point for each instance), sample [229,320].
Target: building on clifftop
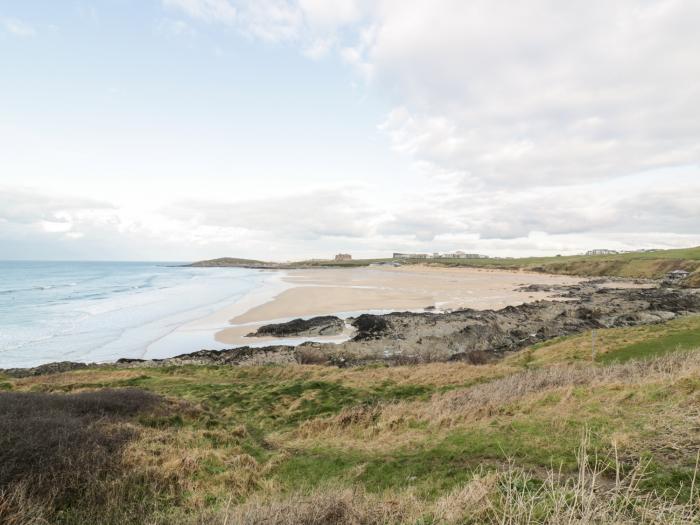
[343,257]
[602,252]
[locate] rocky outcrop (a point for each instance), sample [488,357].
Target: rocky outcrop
[316,326]
[474,335]
[49,368]
[245,355]
[369,327]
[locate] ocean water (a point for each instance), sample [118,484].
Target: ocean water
[100,311]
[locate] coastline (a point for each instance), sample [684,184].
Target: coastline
[199,333]
[282,295]
[351,291]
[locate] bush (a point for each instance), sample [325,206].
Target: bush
[311,356]
[58,446]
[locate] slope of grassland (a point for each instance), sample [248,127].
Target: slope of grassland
[638,265]
[228,261]
[434,443]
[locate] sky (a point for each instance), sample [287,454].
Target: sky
[286,129]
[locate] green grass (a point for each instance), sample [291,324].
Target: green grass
[257,396]
[439,463]
[684,340]
[613,344]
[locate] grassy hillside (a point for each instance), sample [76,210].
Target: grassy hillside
[652,265]
[545,436]
[228,261]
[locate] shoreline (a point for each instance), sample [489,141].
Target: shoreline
[348,292]
[200,331]
[463,335]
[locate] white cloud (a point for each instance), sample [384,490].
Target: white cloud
[313,215]
[208,10]
[322,221]
[542,92]
[17,27]
[25,206]
[271,20]
[541,126]
[312,24]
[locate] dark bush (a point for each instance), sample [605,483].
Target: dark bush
[58,445]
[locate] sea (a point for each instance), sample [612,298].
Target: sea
[102,311]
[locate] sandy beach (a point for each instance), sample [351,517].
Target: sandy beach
[380,289]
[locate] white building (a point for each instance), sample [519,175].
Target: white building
[462,255]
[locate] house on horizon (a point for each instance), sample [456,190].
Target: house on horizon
[462,255]
[343,257]
[409,255]
[602,252]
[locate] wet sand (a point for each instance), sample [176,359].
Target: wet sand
[349,291]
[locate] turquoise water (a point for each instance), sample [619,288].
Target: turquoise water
[100,311]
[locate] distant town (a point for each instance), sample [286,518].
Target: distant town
[463,255]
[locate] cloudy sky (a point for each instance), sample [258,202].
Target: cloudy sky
[283,129]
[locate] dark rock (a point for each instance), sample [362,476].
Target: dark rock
[370,327]
[323,325]
[48,368]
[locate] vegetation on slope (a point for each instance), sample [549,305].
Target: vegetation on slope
[228,261]
[647,265]
[436,443]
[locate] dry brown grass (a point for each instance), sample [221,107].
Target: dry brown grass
[67,379]
[330,506]
[185,459]
[486,396]
[18,508]
[598,494]
[443,374]
[473,498]
[388,425]
[590,497]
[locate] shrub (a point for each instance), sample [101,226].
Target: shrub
[307,355]
[59,446]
